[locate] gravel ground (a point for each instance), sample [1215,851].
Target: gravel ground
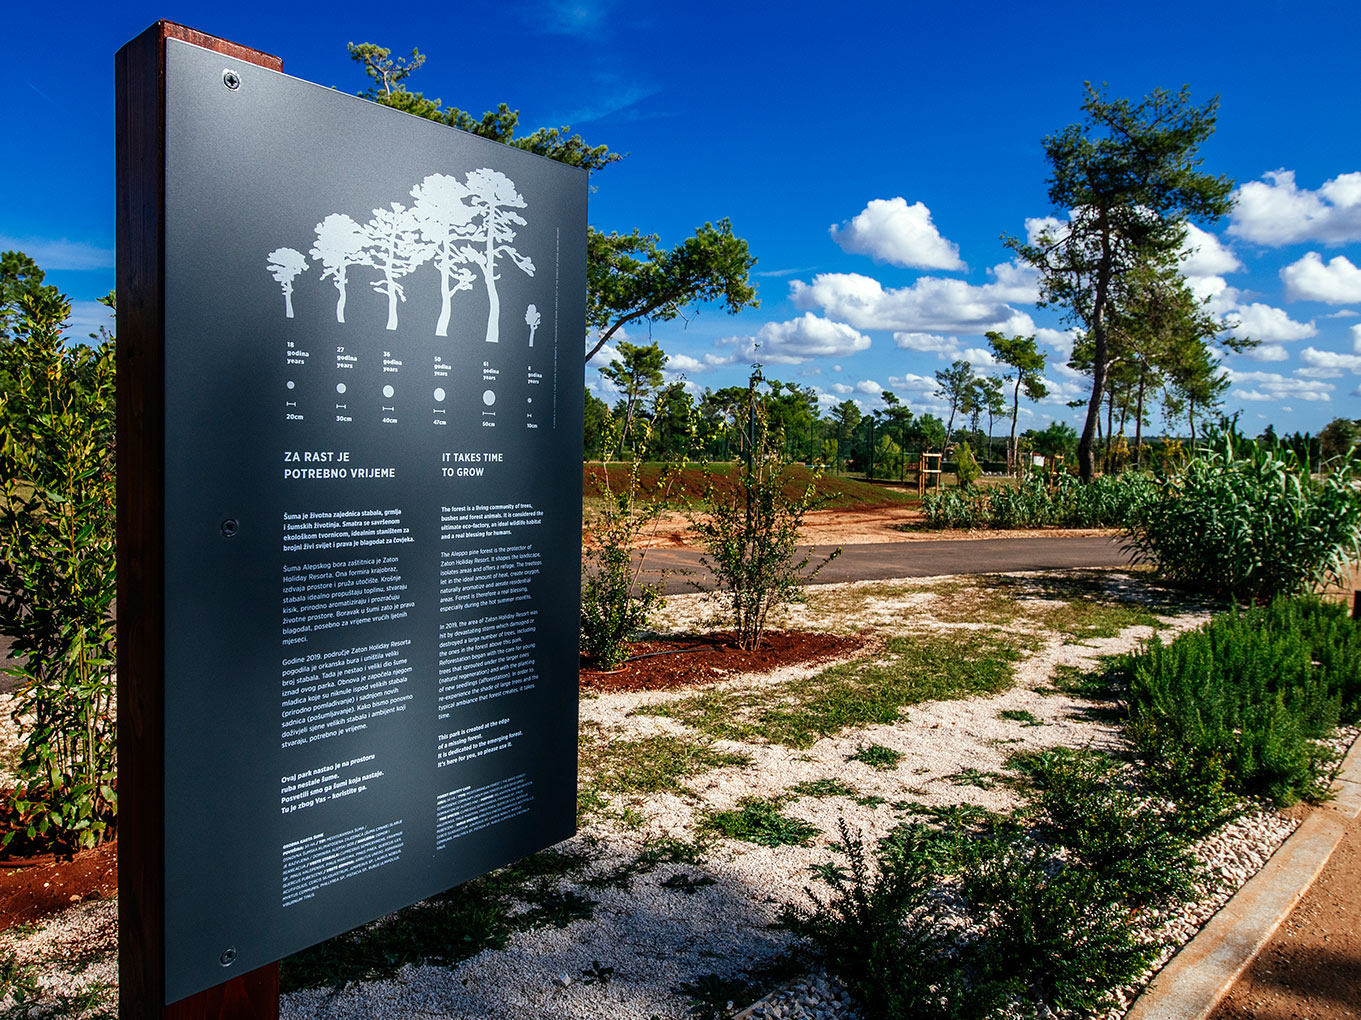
[661,931]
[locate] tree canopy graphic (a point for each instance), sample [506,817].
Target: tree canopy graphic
[286,264]
[445,219]
[340,244]
[493,197]
[395,248]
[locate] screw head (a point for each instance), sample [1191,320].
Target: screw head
[230,527]
[228,956]
[231,79]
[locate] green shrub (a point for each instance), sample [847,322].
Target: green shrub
[1249,522]
[988,918]
[57,579]
[615,602]
[967,470]
[1238,704]
[761,822]
[750,534]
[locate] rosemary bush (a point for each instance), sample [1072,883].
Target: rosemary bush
[57,579]
[1240,703]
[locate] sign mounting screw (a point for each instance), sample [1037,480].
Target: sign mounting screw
[231,79]
[230,527]
[228,956]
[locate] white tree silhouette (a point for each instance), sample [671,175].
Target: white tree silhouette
[445,220]
[532,320]
[285,264]
[395,247]
[340,244]
[493,197]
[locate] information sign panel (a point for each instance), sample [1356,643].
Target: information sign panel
[373,389]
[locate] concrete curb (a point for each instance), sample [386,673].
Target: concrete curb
[1192,983]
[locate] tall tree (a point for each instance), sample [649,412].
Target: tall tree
[19,277]
[846,418]
[1020,354]
[637,374]
[954,385]
[628,277]
[1129,179]
[994,403]
[285,265]
[389,76]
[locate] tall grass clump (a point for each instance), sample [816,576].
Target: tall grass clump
[1237,706]
[1248,522]
[1111,501]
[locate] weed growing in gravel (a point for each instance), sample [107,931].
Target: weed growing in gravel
[877,756]
[760,821]
[974,777]
[1033,914]
[823,788]
[655,853]
[688,884]
[1020,715]
[713,997]
[446,928]
[908,671]
[655,764]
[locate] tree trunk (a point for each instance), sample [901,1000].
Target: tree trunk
[489,278]
[288,300]
[392,302]
[1012,458]
[1086,457]
[1139,420]
[340,302]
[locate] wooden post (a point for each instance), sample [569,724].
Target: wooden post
[140,108]
[1356,605]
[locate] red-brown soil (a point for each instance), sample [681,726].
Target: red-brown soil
[34,887]
[696,659]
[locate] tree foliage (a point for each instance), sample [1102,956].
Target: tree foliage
[630,278]
[1128,178]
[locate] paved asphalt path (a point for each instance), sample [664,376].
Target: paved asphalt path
[881,560]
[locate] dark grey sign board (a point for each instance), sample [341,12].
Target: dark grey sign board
[373,388]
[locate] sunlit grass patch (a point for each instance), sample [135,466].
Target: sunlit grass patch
[907,671]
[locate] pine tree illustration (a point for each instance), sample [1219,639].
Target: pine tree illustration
[285,264]
[493,197]
[445,219]
[395,249]
[340,244]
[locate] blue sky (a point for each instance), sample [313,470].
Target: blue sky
[872,155]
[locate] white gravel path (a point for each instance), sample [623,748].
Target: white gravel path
[655,938]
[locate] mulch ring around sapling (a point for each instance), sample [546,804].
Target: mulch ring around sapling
[687,660]
[33,887]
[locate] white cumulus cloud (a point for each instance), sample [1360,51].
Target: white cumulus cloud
[1277,387]
[1268,324]
[798,340]
[1332,362]
[869,388]
[1204,254]
[932,304]
[1337,281]
[1356,338]
[1276,210]
[890,230]
[1268,352]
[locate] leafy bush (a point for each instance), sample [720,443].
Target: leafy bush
[57,579]
[615,603]
[1247,521]
[750,534]
[1111,501]
[1003,920]
[1235,707]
